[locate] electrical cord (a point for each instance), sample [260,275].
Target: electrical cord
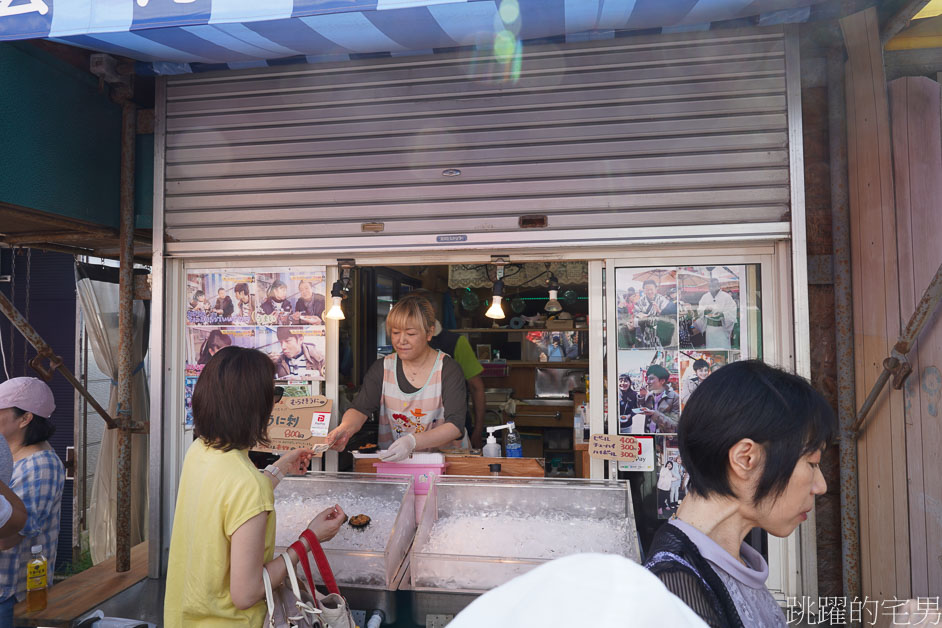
[3,354]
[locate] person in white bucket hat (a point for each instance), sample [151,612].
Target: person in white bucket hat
[26,404]
[580,590]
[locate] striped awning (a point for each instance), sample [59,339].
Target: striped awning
[186,35]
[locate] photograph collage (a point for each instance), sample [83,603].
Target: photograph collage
[278,311]
[674,327]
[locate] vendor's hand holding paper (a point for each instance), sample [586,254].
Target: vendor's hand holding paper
[401,449]
[338,437]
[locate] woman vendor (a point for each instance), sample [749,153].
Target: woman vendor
[418,391]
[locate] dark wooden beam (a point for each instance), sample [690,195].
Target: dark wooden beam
[901,19]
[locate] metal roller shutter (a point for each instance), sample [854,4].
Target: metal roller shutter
[682,133]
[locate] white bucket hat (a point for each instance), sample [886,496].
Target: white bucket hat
[29,394]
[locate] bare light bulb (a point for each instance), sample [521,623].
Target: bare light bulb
[553,304]
[335,312]
[495,311]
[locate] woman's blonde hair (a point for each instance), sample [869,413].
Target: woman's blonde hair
[412,310]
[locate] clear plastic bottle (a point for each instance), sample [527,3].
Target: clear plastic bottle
[513,447]
[36,580]
[577,421]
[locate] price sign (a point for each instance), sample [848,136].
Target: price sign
[297,422]
[614,447]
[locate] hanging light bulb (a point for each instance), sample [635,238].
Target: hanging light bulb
[335,312]
[496,311]
[336,296]
[553,304]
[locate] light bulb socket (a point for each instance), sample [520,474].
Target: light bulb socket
[552,283]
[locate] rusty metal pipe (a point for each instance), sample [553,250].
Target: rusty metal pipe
[125,337]
[896,365]
[844,325]
[926,306]
[43,350]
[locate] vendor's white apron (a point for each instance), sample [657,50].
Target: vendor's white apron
[401,413]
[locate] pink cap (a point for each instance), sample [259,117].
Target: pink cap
[29,394]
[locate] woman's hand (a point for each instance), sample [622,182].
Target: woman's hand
[326,524]
[294,462]
[340,436]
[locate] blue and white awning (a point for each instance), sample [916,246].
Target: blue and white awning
[183,35]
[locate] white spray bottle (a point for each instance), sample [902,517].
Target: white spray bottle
[492,447]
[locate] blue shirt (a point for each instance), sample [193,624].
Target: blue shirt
[38,480]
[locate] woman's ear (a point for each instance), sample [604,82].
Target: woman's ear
[25,420]
[745,460]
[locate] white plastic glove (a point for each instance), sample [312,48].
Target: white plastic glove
[401,449]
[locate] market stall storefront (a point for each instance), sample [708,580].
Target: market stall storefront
[662,165]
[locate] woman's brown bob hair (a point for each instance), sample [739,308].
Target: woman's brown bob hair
[412,310]
[233,399]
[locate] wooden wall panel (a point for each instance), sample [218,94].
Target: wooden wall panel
[917,163]
[884,529]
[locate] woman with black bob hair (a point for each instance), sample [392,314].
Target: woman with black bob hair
[224,523]
[751,437]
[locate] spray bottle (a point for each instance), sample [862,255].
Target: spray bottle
[492,447]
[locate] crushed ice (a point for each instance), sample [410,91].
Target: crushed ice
[509,536]
[293,513]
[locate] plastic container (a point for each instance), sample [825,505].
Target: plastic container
[36,580]
[513,447]
[492,447]
[422,474]
[578,420]
[530,499]
[367,569]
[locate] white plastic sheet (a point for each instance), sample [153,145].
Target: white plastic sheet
[99,302]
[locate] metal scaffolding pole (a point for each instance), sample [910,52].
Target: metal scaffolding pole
[45,352]
[125,335]
[844,325]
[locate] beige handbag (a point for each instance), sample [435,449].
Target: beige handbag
[290,607]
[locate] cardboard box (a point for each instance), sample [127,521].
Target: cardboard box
[559,324]
[297,422]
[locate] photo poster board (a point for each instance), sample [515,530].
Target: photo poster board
[672,478]
[278,311]
[297,422]
[678,324]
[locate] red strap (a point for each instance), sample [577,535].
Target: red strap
[321,559]
[301,551]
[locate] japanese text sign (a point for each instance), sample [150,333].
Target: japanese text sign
[297,422]
[613,447]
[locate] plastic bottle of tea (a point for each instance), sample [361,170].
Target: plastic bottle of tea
[36,580]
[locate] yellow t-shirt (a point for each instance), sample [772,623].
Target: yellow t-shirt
[219,491]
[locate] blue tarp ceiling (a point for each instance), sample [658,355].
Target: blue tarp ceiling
[185,35]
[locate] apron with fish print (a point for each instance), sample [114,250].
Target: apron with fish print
[400,412]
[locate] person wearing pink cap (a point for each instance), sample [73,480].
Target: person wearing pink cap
[26,404]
